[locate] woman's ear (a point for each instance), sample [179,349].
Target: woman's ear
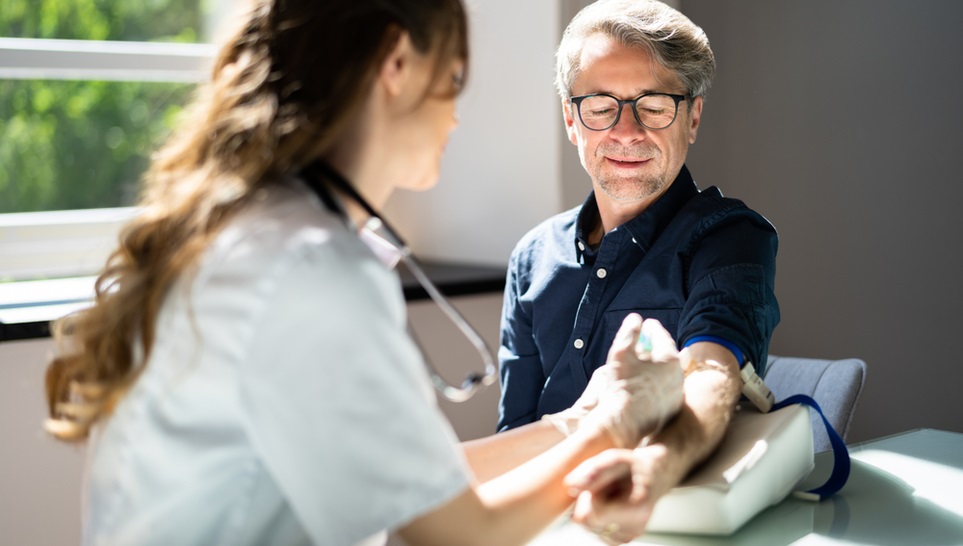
[396,68]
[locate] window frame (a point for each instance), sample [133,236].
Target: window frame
[52,59]
[48,260]
[76,243]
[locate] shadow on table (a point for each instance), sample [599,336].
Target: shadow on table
[875,507]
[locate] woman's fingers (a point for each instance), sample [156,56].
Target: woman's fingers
[662,345]
[627,336]
[601,471]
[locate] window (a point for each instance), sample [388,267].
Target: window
[88,88]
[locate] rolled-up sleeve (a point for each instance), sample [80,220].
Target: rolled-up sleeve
[731,286]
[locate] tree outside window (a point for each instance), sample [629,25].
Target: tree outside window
[68,144]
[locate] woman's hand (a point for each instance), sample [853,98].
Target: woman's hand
[618,490]
[639,388]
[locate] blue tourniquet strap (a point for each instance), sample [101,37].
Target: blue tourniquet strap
[837,479]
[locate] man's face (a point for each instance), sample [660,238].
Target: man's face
[629,163]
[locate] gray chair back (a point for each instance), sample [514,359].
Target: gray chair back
[835,385]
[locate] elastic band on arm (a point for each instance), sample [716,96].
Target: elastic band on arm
[740,357]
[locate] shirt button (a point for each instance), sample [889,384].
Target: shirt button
[581,245]
[579,344]
[601,273]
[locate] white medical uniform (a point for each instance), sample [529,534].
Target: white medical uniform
[283,402]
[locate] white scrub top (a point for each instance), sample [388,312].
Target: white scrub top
[283,402]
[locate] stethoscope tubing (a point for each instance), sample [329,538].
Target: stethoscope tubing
[474,381]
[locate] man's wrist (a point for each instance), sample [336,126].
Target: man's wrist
[669,453]
[666,471]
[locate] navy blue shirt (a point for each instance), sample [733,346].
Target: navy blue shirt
[702,264]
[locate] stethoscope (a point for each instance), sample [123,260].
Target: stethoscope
[313,175]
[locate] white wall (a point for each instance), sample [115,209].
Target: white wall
[39,478]
[501,172]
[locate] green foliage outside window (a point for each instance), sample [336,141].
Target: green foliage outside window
[84,144]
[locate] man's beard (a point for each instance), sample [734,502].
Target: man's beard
[628,188]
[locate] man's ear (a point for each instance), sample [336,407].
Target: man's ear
[695,118]
[396,68]
[569,121]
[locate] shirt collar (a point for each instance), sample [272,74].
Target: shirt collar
[644,228]
[588,218]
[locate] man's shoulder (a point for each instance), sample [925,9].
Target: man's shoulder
[711,199]
[710,208]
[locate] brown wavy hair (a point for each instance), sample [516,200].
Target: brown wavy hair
[284,88]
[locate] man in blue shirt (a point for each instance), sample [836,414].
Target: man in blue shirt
[632,75]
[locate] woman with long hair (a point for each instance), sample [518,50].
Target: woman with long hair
[244,374]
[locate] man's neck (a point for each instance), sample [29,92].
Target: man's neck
[613,214]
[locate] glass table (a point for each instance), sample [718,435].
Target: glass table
[903,489]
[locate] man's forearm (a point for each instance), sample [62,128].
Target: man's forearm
[712,388]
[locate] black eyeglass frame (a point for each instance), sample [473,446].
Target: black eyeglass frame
[577,101]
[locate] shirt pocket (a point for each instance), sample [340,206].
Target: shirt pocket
[669,317]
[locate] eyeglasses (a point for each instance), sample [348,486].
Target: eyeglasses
[655,111]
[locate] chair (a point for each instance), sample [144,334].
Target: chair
[834,384]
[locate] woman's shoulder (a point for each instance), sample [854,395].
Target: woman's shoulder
[287,236]
[283,222]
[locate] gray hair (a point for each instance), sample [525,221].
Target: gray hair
[669,37]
